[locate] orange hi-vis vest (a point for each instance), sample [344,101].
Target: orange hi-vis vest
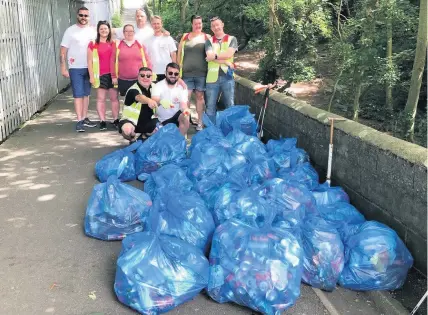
[143,57]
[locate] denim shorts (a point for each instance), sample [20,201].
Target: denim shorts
[195,83]
[80,84]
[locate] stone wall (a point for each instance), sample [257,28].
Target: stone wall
[385,177]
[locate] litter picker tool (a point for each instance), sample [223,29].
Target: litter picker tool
[263,109]
[419,303]
[330,147]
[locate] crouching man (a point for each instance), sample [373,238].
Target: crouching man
[138,107]
[171,98]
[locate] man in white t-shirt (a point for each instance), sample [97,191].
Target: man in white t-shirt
[161,48]
[171,98]
[74,46]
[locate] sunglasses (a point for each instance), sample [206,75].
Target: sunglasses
[148,76]
[215,18]
[83,15]
[175,74]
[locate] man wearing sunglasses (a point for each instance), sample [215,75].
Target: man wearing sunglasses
[171,98]
[220,50]
[138,107]
[74,46]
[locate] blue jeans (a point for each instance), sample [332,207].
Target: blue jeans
[225,85]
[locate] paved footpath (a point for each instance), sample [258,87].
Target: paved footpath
[48,265]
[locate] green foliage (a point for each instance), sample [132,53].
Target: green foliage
[344,40]
[171,18]
[116,20]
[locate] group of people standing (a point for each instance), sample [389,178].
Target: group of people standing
[143,64]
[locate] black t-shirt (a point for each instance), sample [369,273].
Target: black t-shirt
[132,93]
[146,112]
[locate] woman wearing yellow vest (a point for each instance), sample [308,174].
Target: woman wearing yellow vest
[220,50]
[99,55]
[191,58]
[127,58]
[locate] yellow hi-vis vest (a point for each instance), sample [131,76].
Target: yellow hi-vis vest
[132,112]
[95,65]
[143,57]
[214,67]
[183,42]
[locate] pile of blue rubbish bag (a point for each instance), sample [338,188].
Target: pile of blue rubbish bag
[256,210]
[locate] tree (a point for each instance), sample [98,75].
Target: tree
[417,73]
[183,8]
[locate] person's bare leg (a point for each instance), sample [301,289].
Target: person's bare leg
[85,106]
[101,103]
[183,124]
[78,107]
[128,131]
[200,105]
[114,100]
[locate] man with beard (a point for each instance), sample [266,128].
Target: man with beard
[171,98]
[74,49]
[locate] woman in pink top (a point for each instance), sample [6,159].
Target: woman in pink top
[132,56]
[100,76]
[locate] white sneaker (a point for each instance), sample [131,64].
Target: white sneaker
[199,127]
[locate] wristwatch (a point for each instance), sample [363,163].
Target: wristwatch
[215,57]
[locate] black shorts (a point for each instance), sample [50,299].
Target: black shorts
[124,85]
[106,82]
[159,77]
[148,127]
[173,119]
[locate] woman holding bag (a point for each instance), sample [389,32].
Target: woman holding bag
[99,56]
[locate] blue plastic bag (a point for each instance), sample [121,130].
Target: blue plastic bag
[208,158]
[156,273]
[183,215]
[285,153]
[323,254]
[169,177]
[256,172]
[243,204]
[237,117]
[342,216]
[375,259]
[326,195]
[250,146]
[290,201]
[281,145]
[167,146]
[109,164]
[210,134]
[116,209]
[257,267]
[219,199]
[209,185]
[302,173]
[290,159]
